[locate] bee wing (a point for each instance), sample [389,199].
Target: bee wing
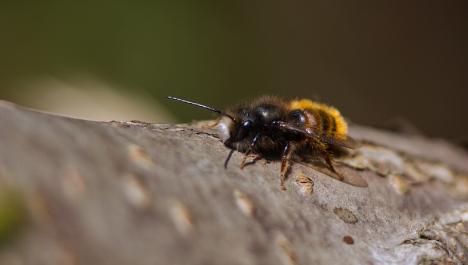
[336,141]
[349,142]
[345,175]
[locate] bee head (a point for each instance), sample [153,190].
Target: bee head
[249,122]
[243,123]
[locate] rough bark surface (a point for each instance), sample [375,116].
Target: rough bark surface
[138,193]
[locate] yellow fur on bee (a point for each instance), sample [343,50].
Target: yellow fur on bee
[341,131]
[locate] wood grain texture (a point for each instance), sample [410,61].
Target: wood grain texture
[138,193]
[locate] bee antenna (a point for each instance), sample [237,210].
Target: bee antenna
[202,106]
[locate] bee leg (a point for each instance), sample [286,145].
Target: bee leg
[328,160]
[254,160]
[247,153]
[228,158]
[244,159]
[285,163]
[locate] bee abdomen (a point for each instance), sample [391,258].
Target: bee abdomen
[326,122]
[329,121]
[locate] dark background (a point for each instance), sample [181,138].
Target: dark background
[377,61]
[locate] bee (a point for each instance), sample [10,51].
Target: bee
[276,129]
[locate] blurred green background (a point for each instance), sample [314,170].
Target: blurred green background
[379,62]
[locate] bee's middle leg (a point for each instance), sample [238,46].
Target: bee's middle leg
[286,162]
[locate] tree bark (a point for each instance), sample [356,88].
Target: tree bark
[84,192]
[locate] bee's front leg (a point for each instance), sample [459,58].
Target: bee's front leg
[249,150]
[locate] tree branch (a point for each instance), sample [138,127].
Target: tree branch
[138,193]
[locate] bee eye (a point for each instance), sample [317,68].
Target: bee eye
[243,130]
[247,124]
